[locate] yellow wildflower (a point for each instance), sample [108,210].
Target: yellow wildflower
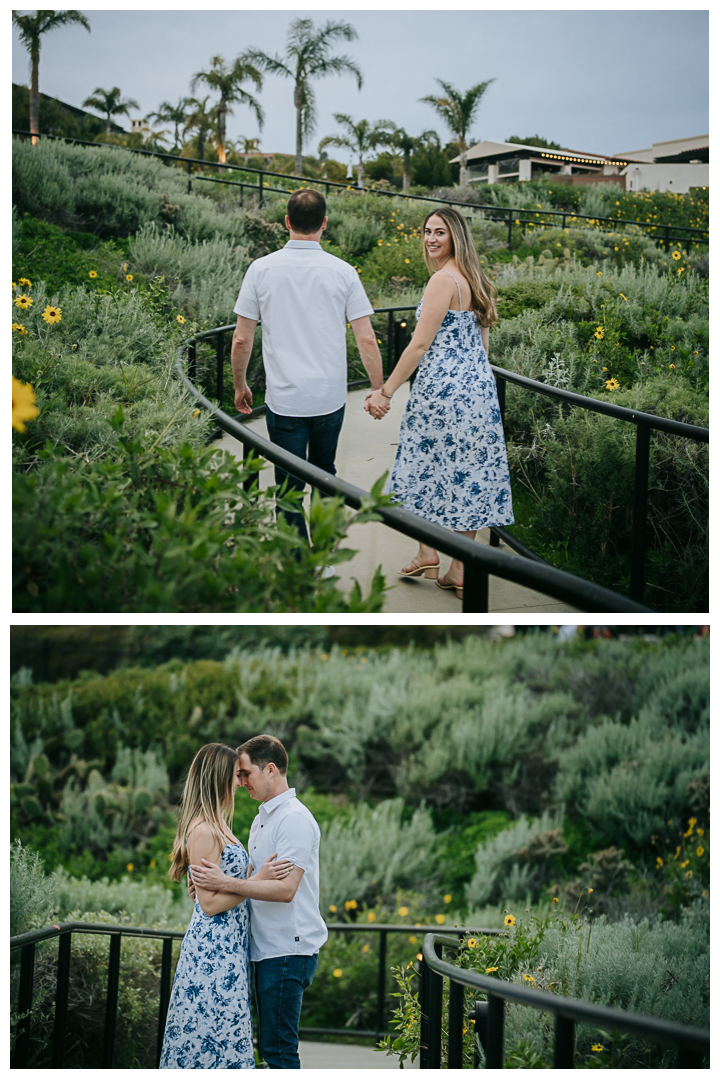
[371,916]
[337,973]
[489,971]
[128,277]
[23,404]
[440,919]
[92,273]
[700,852]
[23,302]
[509,920]
[403,911]
[181,320]
[130,867]
[447,898]
[52,314]
[25,281]
[19,328]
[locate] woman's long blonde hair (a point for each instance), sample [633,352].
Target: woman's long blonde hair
[483,293]
[207,795]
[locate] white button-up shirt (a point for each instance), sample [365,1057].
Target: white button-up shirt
[304,298]
[284,825]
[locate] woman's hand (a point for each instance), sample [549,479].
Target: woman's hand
[274,869]
[377,404]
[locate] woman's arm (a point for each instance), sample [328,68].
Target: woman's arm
[485,335]
[436,304]
[203,845]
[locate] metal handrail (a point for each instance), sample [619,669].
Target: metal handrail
[479,561]
[508,212]
[693,1043]
[644,422]
[63,931]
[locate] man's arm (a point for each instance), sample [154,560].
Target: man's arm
[210,876]
[242,343]
[368,348]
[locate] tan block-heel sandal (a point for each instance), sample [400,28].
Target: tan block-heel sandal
[430,570]
[441,584]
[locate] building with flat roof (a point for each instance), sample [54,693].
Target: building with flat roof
[673,165]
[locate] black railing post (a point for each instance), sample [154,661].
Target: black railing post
[434,1008]
[642,468]
[382,960]
[61,1000]
[494,1032]
[164,994]
[510,217]
[456,1023]
[189,177]
[564,1054]
[423,996]
[478,1016]
[501,386]
[112,1000]
[219,364]
[25,995]
[475,589]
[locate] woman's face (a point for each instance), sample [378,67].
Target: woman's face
[437,239]
[236,781]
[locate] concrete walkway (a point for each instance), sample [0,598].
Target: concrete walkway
[318,1055]
[367,450]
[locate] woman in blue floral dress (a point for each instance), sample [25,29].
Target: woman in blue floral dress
[451,462]
[209,1024]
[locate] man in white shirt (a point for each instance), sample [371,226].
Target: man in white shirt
[304,297]
[286,929]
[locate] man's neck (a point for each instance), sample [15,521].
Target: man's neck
[278,790]
[301,236]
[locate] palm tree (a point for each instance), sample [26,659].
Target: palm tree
[458,110]
[360,138]
[226,81]
[200,119]
[306,58]
[406,144]
[171,114]
[111,103]
[32,28]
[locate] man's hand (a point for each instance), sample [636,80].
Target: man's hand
[376,404]
[210,876]
[191,888]
[243,400]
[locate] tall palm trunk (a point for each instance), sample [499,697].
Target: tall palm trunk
[222,113]
[298,129]
[463,165]
[361,172]
[35,98]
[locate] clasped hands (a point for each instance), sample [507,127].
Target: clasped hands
[210,876]
[377,404]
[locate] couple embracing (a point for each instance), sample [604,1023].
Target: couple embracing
[249,906]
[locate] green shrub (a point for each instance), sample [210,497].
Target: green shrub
[660,971]
[156,530]
[32,894]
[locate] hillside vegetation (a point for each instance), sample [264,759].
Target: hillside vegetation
[134,262]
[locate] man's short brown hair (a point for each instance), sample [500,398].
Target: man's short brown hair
[306,210]
[262,749]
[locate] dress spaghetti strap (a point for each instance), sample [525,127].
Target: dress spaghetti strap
[456,282]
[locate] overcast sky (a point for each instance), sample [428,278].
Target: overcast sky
[604,81]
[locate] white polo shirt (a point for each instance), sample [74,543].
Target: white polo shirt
[304,297]
[284,825]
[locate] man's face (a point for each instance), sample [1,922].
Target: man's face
[257,781]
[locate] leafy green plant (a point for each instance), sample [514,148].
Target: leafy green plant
[156,530]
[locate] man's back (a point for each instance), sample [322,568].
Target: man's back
[304,297]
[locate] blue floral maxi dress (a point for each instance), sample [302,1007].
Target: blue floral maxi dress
[451,463]
[209,1024]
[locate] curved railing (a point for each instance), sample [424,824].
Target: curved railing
[543,580]
[479,561]
[693,1044]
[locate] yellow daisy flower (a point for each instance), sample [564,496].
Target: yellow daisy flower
[52,314]
[23,404]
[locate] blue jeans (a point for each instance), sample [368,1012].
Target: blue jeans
[279,985]
[312,438]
